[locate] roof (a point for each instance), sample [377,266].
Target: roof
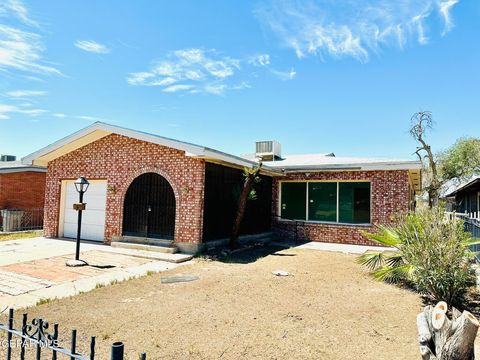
[100,130]
[331,162]
[475,180]
[17,166]
[291,163]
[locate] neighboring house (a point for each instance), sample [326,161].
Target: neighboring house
[22,187]
[145,186]
[466,196]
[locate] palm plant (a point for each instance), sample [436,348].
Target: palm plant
[431,253]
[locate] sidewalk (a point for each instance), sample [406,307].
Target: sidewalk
[33,270]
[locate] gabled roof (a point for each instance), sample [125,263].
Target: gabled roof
[7,167]
[100,130]
[475,180]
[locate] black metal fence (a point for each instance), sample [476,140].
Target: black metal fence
[12,220]
[37,338]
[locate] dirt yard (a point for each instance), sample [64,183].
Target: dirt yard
[328,309]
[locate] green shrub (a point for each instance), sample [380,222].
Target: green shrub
[432,255]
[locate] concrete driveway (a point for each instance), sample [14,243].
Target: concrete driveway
[33,270]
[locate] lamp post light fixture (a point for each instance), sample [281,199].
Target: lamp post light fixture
[81,185]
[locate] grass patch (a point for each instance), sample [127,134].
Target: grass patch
[43,301]
[21,235]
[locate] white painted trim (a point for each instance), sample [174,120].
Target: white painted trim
[111,129]
[22,169]
[279,205]
[400,165]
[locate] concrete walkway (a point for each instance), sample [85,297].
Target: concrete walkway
[33,270]
[344,248]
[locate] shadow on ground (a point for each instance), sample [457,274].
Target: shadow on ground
[249,253]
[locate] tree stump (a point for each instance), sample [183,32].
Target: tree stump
[442,338]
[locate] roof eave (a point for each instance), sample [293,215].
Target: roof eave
[462,188]
[346,167]
[17,169]
[110,129]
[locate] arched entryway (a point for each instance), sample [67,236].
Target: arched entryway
[149,208]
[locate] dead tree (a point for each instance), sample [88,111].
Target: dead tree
[442,338]
[421,123]
[251,177]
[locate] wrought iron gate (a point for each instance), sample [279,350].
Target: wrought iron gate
[149,208]
[36,337]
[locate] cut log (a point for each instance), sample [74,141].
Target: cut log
[427,353]
[424,334]
[443,339]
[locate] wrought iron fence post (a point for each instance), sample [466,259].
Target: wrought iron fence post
[92,348]
[117,350]
[54,340]
[73,344]
[9,335]
[24,341]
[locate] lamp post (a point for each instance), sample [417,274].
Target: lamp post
[81,184]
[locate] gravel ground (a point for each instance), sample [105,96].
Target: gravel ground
[329,308]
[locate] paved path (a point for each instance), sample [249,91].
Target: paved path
[345,248]
[32,270]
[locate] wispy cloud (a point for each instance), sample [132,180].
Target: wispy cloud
[259,60]
[26,93]
[204,71]
[346,28]
[89,118]
[445,7]
[284,75]
[21,49]
[7,110]
[18,10]
[179,87]
[189,70]
[92,46]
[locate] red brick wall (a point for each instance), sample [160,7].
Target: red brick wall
[22,190]
[120,160]
[390,195]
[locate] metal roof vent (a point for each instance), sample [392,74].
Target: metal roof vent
[8,158]
[268,150]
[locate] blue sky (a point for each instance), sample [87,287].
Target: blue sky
[318,76]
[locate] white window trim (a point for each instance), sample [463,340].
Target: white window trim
[279,205]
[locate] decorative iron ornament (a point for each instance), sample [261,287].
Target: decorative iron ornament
[38,330]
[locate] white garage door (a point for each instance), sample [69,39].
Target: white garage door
[93,218]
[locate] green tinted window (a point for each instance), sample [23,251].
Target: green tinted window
[322,201]
[354,202]
[293,202]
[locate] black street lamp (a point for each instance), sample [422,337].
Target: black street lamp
[81,184]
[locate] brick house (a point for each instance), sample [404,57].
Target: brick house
[161,191]
[22,187]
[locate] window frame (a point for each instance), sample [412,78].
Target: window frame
[337,222]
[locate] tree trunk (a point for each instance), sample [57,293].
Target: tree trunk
[441,338]
[242,204]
